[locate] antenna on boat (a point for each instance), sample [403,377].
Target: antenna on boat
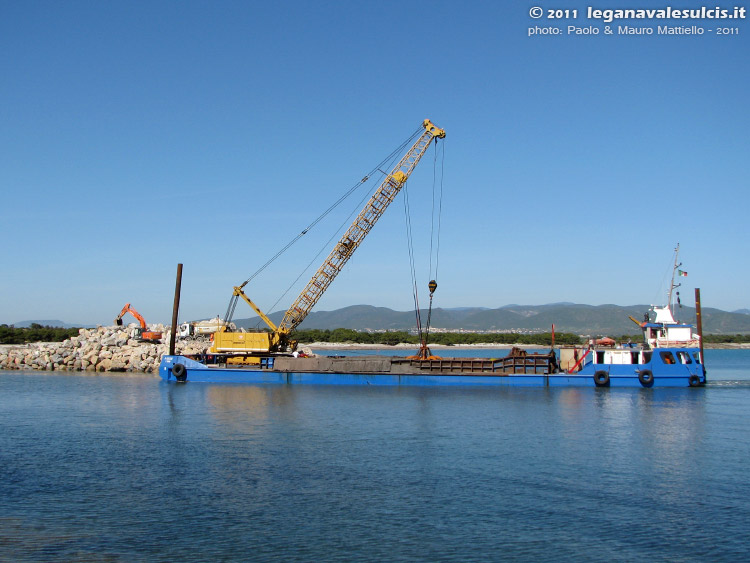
[672,286]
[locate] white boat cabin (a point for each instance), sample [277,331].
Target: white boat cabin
[664,331]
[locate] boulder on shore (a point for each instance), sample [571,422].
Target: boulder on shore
[101,349]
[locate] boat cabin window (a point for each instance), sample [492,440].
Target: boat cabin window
[684,358]
[600,357]
[667,357]
[647,357]
[697,357]
[633,357]
[656,333]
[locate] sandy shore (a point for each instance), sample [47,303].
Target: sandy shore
[344,346]
[340,346]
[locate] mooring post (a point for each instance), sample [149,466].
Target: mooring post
[699,323]
[175,309]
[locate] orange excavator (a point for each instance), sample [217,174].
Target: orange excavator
[142,333]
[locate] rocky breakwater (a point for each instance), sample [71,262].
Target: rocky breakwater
[102,349]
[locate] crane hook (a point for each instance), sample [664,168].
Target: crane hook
[432,286]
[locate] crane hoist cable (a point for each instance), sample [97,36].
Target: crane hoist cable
[324,247]
[387,162]
[378,168]
[315,258]
[432,286]
[279,339]
[412,270]
[436,238]
[423,333]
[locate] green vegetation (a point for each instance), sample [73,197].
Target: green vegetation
[707,338]
[345,335]
[35,333]
[391,338]
[540,339]
[726,338]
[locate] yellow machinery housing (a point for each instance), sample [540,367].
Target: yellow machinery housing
[242,342]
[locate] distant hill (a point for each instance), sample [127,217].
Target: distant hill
[54,324]
[588,320]
[567,317]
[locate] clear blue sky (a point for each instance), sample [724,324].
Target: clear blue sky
[136,135]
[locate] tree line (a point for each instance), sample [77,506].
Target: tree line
[726,338]
[39,333]
[35,333]
[393,337]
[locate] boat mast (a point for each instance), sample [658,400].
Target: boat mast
[699,323]
[672,286]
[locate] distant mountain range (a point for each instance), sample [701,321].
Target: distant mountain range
[54,323]
[567,317]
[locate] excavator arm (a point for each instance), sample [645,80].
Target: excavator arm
[128,309]
[144,334]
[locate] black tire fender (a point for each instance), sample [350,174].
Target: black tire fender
[646,377]
[694,381]
[180,372]
[601,378]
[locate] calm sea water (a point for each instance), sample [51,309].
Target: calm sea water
[127,468]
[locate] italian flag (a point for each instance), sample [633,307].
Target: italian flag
[682,273]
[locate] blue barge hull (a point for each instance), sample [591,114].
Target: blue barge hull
[380,371]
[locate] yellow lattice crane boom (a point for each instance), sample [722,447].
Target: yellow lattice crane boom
[358,230]
[278,338]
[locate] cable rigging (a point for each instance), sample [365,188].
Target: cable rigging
[376,169]
[432,286]
[424,352]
